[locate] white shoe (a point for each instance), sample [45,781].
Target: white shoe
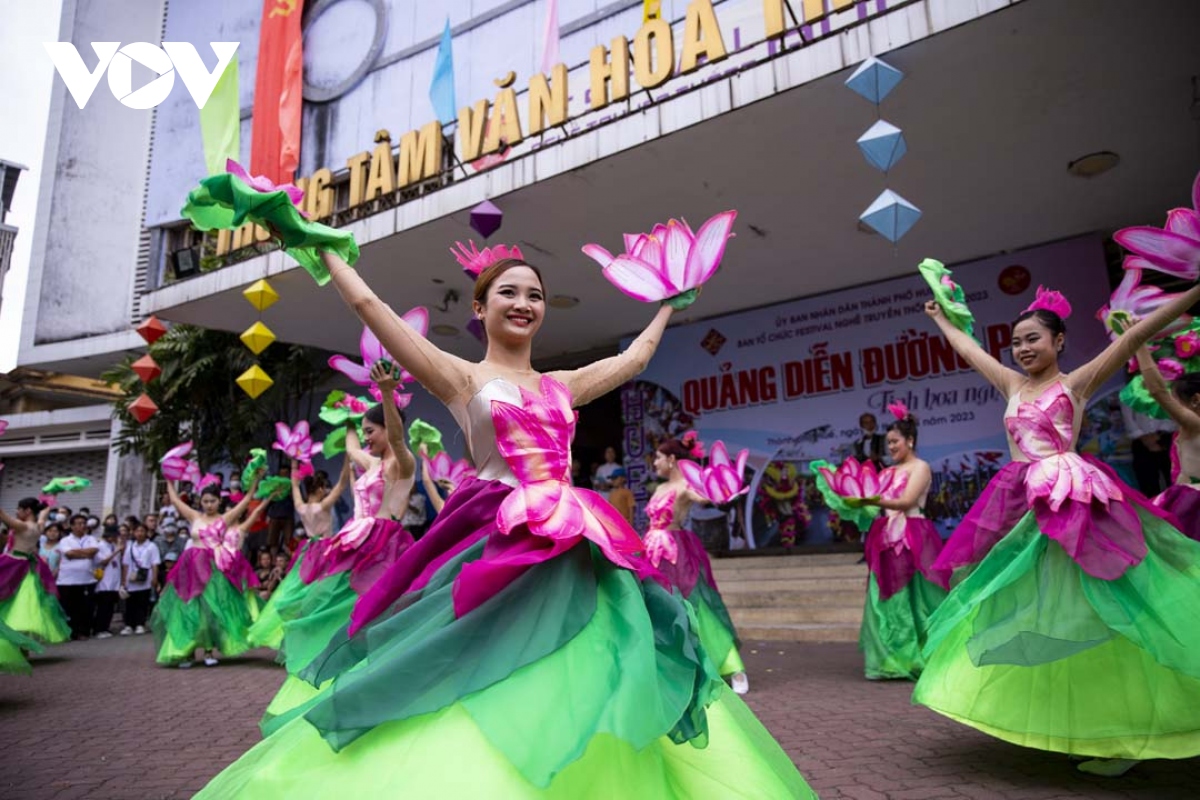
[741,684]
[1108,767]
[139,630]
[126,630]
[185,664]
[209,661]
[103,635]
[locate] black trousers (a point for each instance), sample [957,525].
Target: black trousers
[1152,469]
[78,602]
[106,602]
[137,608]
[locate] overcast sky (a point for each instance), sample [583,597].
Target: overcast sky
[25,74]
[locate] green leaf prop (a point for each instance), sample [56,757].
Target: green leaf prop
[948,294]
[273,488]
[226,201]
[422,433]
[862,516]
[74,483]
[258,463]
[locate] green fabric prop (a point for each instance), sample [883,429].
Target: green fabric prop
[948,294]
[849,509]
[73,483]
[258,463]
[225,201]
[273,488]
[340,408]
[682,300]
[335,443]
[422,433]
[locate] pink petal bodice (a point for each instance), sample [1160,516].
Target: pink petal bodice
[1046,427]
[661,509]
[368,492]
[222,540]
[660,542]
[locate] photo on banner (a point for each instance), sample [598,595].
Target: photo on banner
[811,379]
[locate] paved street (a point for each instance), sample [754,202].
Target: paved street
[99,720]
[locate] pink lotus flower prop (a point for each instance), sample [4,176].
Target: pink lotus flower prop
[261,183]
[1174,248]
[295,442]
[176,466]
[475,261]
[721,480]
[1170,368]
[1132,302]
[372,351]
[858,480]
[442,469]
[209,479]
[668,262]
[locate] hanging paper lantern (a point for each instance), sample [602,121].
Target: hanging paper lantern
[261,294]
[254,381]
[883,145]
[874,79]
[891,215]
[146,368]
[486,218]
[151,330]
[143,408]
[257,337]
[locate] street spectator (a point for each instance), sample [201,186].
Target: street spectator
[108,566]
[139,578]
[281,517]
[264,566]
[48,546]
[170,547]
[77,577]
[603,479]
[620,496]
[151,522]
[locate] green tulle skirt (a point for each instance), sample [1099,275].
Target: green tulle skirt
[574,681]
[893,631]
[1032,650]
[13,646]
[217,619]
[35,612]
[716,630]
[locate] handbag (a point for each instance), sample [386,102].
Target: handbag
[141,574]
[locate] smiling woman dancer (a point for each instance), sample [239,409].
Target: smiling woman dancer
[1075,631]
[513,651]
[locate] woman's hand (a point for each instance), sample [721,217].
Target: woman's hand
[386,376]
[933,308]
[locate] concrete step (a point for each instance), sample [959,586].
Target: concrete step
[797,615]
[792,574]
[786,596]
[847,583]
[779,562]
[812,632]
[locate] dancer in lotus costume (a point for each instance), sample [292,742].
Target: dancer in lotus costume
[317,516]
[28,594]
[1182,404]
[901,546]
[680,556]
[1075,629]
[513,651]
[209,600]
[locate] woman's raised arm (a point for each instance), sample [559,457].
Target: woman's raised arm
[444,375]
[1092,375]
[601,377]
[1187,419]
[1005,379]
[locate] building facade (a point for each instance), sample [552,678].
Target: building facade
[715,105]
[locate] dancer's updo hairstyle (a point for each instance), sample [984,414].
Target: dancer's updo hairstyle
[488,276]
[1187,386]
[907,428]
[686,448]
[375,416]
[212,489]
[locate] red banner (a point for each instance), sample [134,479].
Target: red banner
[278,85]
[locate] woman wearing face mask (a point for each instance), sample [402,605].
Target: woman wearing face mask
[900,548]
[1182,404]
[337,569]
[681,557]
[208,602]
[28,592]
[1075,630]
[559,673]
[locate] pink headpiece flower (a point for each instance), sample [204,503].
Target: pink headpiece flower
[208,480]
[668,261]
[691,440]
[1051,301]
[261,183]
[1170,368]
[898,410]
[475,261]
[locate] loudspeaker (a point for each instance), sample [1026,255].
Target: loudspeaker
[185,263]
